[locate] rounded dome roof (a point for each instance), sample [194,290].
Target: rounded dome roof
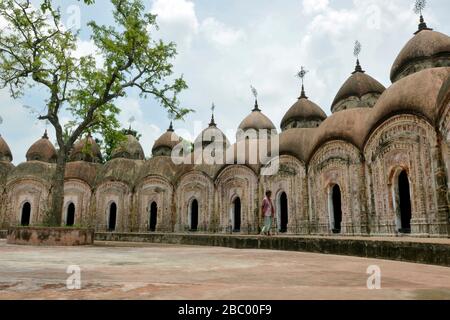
[161,166]
[42,150]
[168,139]
[120,169]
[416,93]
[5,151]
[82,170]
[247,152]
[425,44]
[38,170]
[257,121]
[348,125]
[303,109]
[86,149]
[130,148]
[210,134]
[357,85]
[297,142]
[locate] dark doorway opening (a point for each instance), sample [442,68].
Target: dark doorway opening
[405,202]
[26,214]
[284,218]
[153,216]
[70,217]
[237,215]
[337,209]
[194,215]
[112,217]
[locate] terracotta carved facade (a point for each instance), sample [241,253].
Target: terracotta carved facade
[380,165]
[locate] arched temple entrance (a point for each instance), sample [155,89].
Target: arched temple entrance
[112,218]
[237,215]
[26,214]
[337,209]
[70,216]
[404,202]
[153,217]
[284,217]
[194,216]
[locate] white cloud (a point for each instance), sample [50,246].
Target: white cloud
[177,20]
[314,6]
[85,48]
[220,34]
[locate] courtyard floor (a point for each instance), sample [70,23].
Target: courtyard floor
[149,271]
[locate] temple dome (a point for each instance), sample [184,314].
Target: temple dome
[130,148]
[427,49]
[255,121]
[298,142]
[210,135]
[5,151]
[415,94]
[87,150]
[165,143]
[42,150]
[347,125]
[303,114]
[82,170]
[359,91]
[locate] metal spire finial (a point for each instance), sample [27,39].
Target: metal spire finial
[419,6]
[255,94]
[171,116]
[213,108]
[302,74]
[356,52]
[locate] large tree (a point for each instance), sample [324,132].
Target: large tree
[36,50]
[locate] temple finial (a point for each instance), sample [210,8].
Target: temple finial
[255,94]
[356,52]
[419,6]
[302,74]
[45,136]
[212,123]
[171,117]
[170,127]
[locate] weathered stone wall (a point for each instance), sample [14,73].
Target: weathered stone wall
[79,193]
[367,178]
[419,65]
[302,123]
[50,236]
[159,190]
[196,186]
[19,192]
[366,101]
[238,182]
[337,163]
[108,193]
[444,126]
[404,142]
[291,179]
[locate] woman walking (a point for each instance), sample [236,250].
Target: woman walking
[268,213]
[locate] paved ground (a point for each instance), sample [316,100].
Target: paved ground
[148,271]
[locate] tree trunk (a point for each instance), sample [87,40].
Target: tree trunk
[54,215]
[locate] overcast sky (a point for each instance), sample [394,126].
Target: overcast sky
[227,45]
